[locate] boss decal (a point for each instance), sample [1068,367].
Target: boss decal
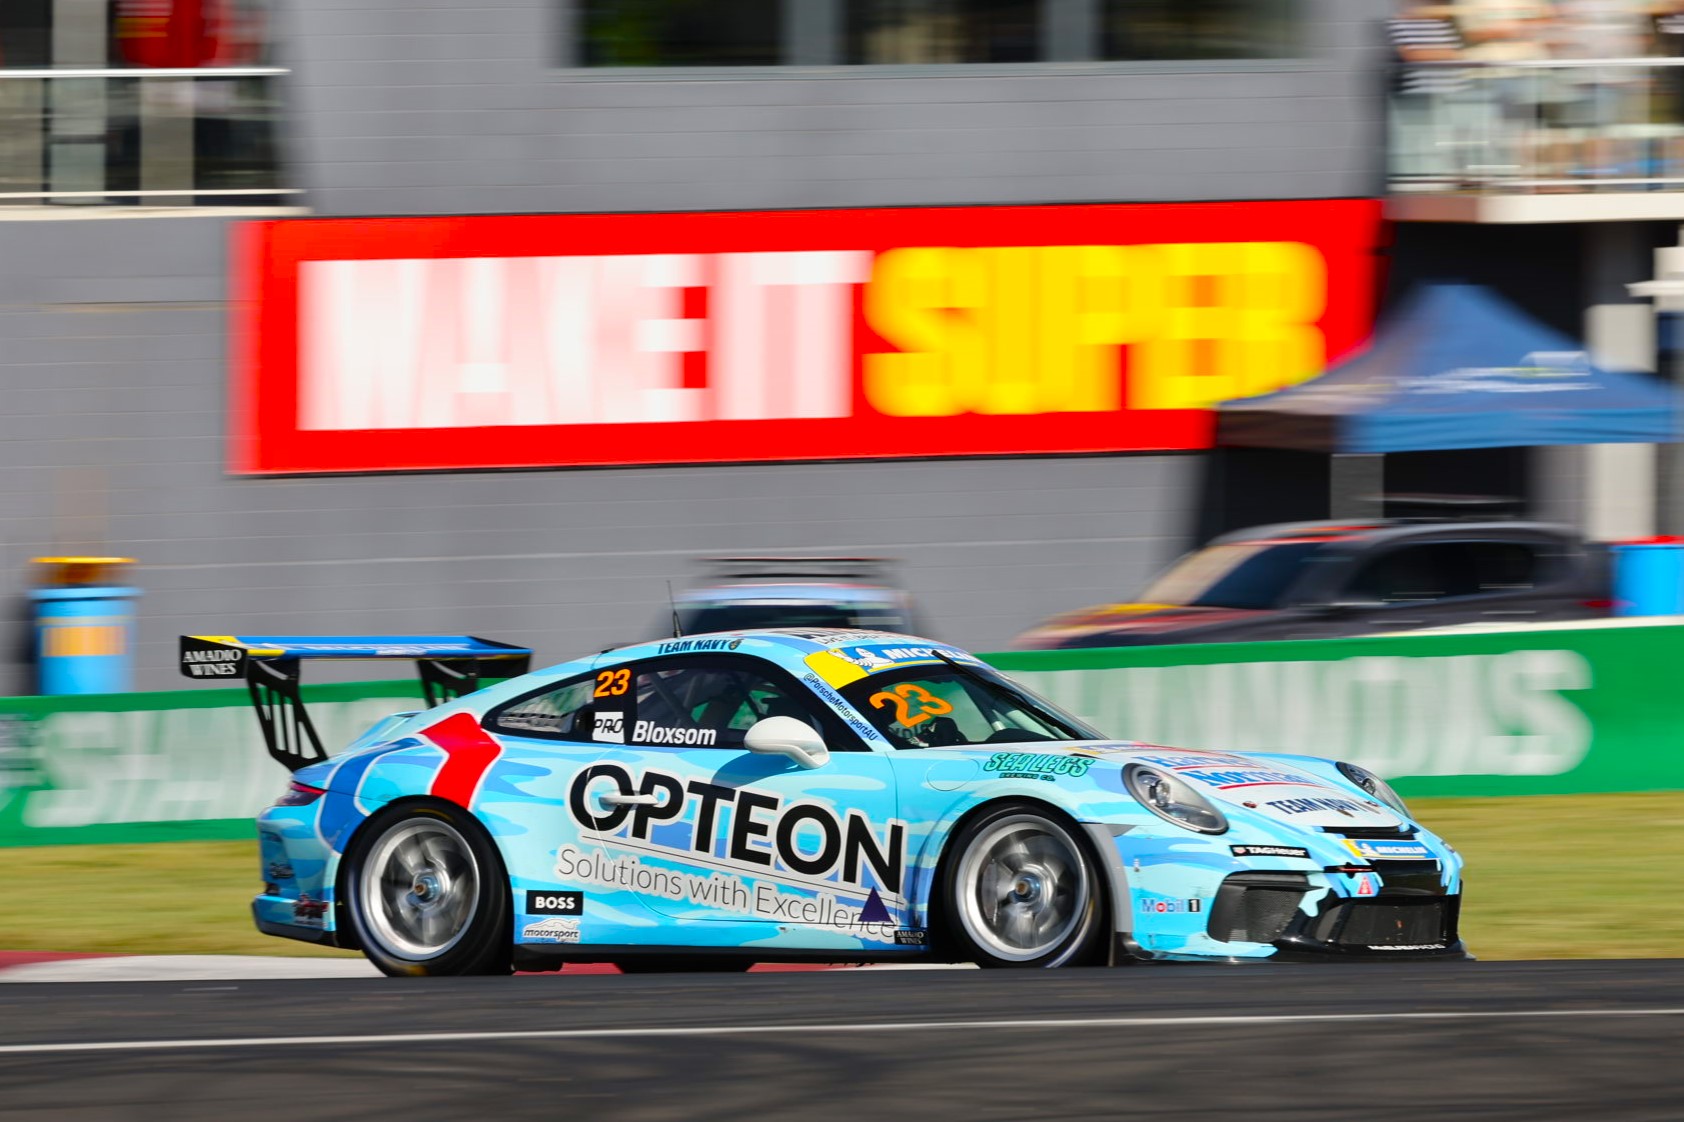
[555,903]
[742,829]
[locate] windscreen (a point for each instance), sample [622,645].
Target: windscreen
[944,706]
[1240,575]
[756,615]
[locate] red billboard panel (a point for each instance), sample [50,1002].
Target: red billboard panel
[572,340]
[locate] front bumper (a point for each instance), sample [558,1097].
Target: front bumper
[1408,917]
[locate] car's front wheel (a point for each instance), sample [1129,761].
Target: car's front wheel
[426,893]
[1021,889]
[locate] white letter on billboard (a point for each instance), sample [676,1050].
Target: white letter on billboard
[793,359]
[359,331]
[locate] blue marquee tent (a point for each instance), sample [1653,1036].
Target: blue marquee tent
[1457,367]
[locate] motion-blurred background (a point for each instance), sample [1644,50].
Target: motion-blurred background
[386,316]
[138,138]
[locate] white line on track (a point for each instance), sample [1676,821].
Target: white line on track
[751,1030]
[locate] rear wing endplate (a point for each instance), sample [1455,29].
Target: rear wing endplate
[450,666]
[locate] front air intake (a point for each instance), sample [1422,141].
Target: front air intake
[1255,907]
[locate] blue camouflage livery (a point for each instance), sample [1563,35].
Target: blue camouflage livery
[628,813]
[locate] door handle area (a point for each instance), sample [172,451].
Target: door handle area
[616,799]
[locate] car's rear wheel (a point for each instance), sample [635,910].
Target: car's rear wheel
[427,894]
[1021,889]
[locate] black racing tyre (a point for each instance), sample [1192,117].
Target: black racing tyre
[426,893]
[673,964]
[1020,887]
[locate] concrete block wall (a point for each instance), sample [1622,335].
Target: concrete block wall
[114,355]
[442,107]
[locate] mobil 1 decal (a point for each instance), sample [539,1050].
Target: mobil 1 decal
[738,850]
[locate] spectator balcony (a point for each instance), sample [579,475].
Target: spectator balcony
[1557,140]
[131,137]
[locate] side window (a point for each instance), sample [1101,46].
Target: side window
[708,704]
[1416,574]
[567,712]
[1508,566]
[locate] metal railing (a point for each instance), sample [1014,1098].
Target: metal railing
[1547,125]
[160,137]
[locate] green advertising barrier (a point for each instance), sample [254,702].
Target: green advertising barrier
[1549,710]
[143,767]
[1543,711]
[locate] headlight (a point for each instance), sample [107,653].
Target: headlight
[1173,799]
[1374,785]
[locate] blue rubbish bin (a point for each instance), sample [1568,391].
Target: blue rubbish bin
[84,626]
[1649,577]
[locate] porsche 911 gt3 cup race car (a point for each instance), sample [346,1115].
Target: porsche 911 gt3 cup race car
[804,795]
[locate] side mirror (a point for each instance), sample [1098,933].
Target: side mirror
[786,736]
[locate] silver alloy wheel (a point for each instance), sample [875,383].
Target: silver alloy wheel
[1022,888]
[419,888]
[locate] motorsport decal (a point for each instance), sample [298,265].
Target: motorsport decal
[840,706]
[848,663]
[1348,807]
[551,931]
[753,852]
[609,728]
[912,937]
[1230,779]
[1269,851]
[309,913]
[1409,947]
[1387,849]
[1165,907]
[686,646]
[213,662]
[1032,765]
[555,903]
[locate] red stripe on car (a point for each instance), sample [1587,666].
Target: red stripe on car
[468,753]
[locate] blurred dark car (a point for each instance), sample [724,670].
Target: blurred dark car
[1321,580]
[750,593]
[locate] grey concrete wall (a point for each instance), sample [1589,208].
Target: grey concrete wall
[113,358]
[410,108]
[113,352]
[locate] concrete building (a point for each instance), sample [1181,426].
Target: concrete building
[114,310]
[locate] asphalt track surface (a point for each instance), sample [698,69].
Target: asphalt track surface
[1378,1042]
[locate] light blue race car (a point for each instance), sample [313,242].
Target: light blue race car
[712,801]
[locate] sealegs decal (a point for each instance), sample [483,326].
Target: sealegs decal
[1033,765]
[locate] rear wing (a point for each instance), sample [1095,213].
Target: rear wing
[450,666]
[872,570]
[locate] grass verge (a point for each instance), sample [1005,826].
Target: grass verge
[1556,876]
